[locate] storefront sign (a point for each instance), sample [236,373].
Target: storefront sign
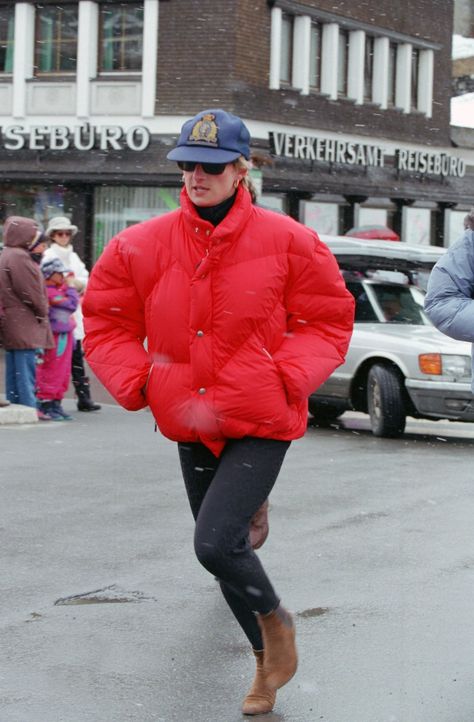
[326,150]
[79,137]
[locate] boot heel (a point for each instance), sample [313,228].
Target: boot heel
[280,657]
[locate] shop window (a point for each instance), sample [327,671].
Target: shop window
[120,37]
[315,57]
[40,202]
[116,208]
[56,39]
[342,62]
[454,225]
[286,48]
[7,25]
[273,202]
[417,226]
[372,217]
[368,68]
[322,217]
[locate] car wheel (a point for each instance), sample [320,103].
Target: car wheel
[385,402]
[323,414]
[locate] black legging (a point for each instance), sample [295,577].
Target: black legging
[224,494]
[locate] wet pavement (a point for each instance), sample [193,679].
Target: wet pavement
[107,617]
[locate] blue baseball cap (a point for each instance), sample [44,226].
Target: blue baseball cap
[212,136]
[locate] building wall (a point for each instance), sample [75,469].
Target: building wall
[464,17]
[196,55]
[212,54]
[232,66]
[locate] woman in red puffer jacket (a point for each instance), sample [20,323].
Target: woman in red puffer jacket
[245,314]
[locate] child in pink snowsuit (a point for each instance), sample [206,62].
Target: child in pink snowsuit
[54,373]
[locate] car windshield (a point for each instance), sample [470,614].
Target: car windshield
[388,303]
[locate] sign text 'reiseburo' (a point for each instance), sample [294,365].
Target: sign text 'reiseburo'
[326,150]
[80,137]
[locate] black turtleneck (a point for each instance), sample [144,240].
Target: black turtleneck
[216,214]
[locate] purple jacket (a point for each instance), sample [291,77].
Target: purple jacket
[63,301]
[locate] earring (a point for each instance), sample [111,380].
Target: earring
[236,184]
[182,178]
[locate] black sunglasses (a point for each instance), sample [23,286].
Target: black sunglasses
[210,168]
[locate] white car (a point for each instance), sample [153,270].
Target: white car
[398,364]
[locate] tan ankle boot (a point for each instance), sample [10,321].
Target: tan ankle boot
[261,697]
[280,659]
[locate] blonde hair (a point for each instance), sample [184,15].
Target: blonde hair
[247,182]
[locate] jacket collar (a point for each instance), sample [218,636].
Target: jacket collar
[227,229]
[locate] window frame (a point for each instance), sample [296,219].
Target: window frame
[415,79]
[315,56]
[7,42]
[56,44]
[369,50]
[392,75]
[343,68]
[286,44]
[102,71]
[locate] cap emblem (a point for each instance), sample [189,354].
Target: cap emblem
[205,130]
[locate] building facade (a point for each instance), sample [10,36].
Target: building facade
[464,17]
[347,104]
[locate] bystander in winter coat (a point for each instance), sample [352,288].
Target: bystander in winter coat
[25,325]
[22,289]
[449,301]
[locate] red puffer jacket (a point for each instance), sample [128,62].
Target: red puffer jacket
[242,320]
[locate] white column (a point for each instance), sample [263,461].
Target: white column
[329,59]
[275,48]
[355,77]
[23,55]
[301,53]
[380,72]
[150,57]
[425,82]
[403,79]
[87,54]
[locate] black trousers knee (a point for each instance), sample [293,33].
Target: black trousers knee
[224,494]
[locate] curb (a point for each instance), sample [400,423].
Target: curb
[17,414]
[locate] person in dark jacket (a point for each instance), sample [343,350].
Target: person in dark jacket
[449,301]
[245,313]
[25,307]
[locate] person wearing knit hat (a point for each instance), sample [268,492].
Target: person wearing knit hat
[60,232]
[25,326]
[55,265]
[54,373]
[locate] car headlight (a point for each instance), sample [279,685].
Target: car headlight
[444,364]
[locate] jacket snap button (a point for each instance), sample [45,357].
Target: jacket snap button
[200,333]
[202,390]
